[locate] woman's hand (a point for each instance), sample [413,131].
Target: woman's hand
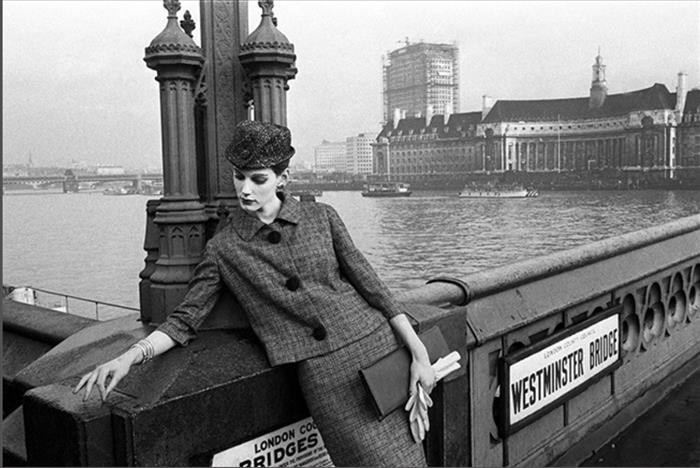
[154,344]
[116,369]
[421,370]
[422,382]
[424,373]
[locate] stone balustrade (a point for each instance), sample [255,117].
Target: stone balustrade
[652,276]
[219,392]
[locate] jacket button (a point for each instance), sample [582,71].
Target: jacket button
[319,333]
[293,283]
[274,237]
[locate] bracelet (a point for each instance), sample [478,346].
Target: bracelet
[146,348]
[150,351]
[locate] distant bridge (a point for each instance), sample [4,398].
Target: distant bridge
[39,180]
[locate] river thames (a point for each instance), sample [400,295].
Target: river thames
[91,245]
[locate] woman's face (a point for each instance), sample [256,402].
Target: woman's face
[256,188]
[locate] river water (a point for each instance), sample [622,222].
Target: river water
[91,245]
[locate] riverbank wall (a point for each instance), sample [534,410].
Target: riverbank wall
[683,179]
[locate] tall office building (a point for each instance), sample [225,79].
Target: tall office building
[330,156]
[358,151]
[421,79]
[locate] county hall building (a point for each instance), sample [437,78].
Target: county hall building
[650,134]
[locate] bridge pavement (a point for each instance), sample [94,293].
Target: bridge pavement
[666,435]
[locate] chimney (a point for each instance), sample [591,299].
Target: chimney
[448,111]
[429,111]
[681,92]
[486,105]
[397,117]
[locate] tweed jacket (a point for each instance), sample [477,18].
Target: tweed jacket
[304,286]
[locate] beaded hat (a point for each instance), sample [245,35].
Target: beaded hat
[258,145]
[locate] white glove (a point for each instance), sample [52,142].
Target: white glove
[419,402]
[417,407]
[446,365]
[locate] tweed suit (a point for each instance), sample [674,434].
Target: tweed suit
[312,298]
[304,285]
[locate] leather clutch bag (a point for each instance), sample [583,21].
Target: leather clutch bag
[387,379]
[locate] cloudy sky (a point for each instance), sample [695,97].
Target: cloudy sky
[75,87]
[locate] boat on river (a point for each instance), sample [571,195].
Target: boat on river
[27,295]
[495,191]
[307,195]
[386,189]
[120,191]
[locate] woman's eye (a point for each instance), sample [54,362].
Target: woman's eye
[239,176]
[259,180]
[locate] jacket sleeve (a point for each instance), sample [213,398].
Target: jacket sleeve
[358,270]
[202,293]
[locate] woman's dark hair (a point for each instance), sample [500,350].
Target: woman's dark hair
[280,168]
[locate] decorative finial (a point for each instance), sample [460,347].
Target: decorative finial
[173,6]
[266,6]
[187,24]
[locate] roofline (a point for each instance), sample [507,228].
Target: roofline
[580,97]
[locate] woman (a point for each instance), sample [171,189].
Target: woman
[311,298]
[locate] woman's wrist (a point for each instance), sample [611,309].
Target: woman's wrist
[133,355]
[420,353]
[415,346]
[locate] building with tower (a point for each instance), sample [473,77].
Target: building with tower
[420,79]
[631,139]
[626,132]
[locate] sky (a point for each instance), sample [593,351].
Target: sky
[76,88]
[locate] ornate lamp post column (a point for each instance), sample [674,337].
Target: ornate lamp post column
[222,101]
[180,216]
[268,58]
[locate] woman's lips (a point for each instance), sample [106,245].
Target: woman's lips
[247,202]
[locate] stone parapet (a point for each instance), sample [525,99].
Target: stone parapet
[193,402]
[651,276]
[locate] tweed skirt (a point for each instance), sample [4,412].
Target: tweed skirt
[343,411]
